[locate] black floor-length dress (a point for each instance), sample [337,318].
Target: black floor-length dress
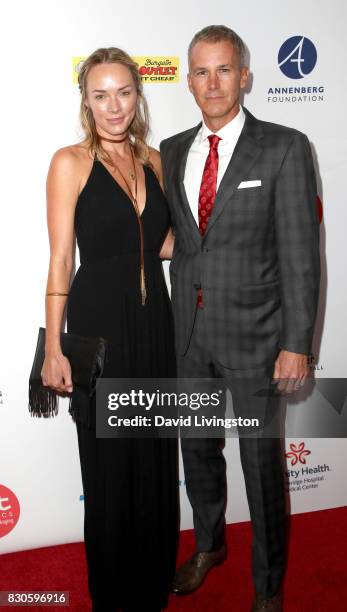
[130,485]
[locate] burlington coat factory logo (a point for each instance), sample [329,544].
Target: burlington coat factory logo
[297,58]
[158,68]
[299,475]
[76,67]
[152,68]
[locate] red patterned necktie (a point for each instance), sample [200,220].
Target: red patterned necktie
[207,191]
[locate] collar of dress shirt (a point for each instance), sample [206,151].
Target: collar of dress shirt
[228,133]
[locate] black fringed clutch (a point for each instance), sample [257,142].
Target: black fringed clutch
[87,358]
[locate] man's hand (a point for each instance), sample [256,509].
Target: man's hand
[291,371]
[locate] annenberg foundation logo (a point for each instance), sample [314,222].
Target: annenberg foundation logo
[297,57]
[9,510]
[301,476]
[152,68]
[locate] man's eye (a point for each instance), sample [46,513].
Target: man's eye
[126,93]
[99,97]
[201,72]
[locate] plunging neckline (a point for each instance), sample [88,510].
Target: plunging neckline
[123,190]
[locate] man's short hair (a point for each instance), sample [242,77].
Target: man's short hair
[217,33]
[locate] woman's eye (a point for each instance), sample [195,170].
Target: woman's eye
[126,93]
[99,97]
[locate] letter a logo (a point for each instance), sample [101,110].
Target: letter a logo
[297,57]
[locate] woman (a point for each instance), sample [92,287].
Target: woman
[108,190]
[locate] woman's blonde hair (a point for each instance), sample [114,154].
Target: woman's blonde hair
[139,128]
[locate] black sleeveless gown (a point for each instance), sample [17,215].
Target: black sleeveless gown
[130,485]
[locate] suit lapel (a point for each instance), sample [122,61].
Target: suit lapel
[182,154]
[247,149]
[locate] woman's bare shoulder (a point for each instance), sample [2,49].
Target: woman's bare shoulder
[155,159]
[71,157]
[70,168]
[154,155]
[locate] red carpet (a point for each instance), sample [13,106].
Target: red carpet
[316,579]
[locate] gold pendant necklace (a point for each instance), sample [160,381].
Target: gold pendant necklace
[133,198]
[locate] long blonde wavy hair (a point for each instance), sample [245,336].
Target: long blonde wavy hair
[139,128]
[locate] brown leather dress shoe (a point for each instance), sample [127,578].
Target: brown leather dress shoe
[191,574]
[268,604]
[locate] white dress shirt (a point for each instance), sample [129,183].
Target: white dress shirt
[199,151]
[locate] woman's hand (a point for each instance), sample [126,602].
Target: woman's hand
[56,373]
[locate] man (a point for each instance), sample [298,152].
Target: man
[245,278]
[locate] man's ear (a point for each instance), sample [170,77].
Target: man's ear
[189,82]
[244,77]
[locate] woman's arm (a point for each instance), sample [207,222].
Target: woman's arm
[168,244]
[63,183]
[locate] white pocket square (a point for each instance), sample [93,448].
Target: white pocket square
[247,184]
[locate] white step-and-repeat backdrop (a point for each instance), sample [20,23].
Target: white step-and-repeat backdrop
[297,53]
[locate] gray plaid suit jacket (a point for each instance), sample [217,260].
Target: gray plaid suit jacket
[258,264]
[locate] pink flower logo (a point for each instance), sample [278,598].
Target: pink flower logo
[298,453]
